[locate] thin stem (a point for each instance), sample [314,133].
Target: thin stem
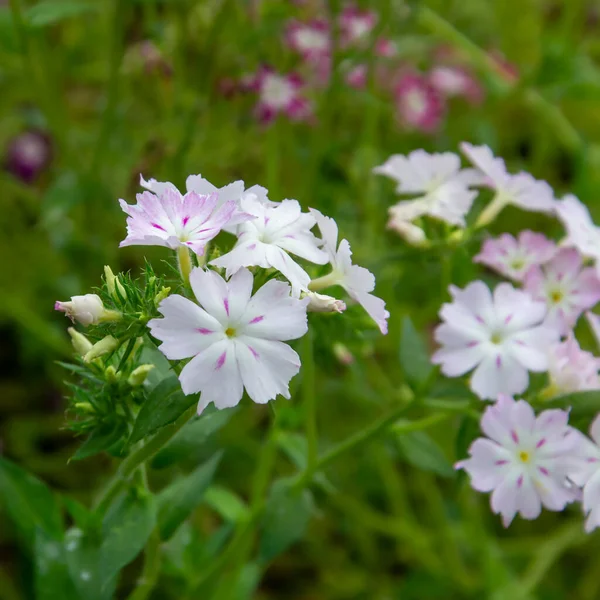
[140,456]
[491,211]
[323,282]
[309,400]
[273,156]
[184,260]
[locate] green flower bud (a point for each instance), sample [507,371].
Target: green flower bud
[110,280]
[104,346]
[164,292]
[138,376]
[80,343]
[111,374]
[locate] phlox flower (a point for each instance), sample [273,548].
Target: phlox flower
[582,233]
[356,24]
[235,338]
[311,40]
[266,240]
[280,94]
[401,221]
[523,460]
[521,189]
[418,104]
[585,473]
[565,286]
[452,81]
[385,48]
[572,369]
[513,257]
[356,77]
[28,154]
[357,281]
[87,310]
[500,335]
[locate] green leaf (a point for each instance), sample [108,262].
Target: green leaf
[100,440]
[581,403]
[126,529]
[29,503]
[51,576]
[419,450]
[288,513]
[229,506]
[51,11]
[414,357]
[178,500]
[162,368]
[165,403]
[467,432]
[193,436]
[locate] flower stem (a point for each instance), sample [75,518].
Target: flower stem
[324,282]
[139,457]
[491,211]
[185,263]
[309,399]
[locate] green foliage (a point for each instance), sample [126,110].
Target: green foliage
[417,448]
[49,12]
[414,357]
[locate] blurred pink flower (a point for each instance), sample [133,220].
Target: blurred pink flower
[419,105]
[524,460]
[571,369]
[456,81]
[28,154]
[356,24]
[513,257]
[311,40]
[356,77]
[385,48]
[280,94]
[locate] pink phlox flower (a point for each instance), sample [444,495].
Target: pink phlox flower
[356,25]
[572,369]
[357,281]
[522,189]
[418,104]
[565,286]
[523,460]
[452,81]
[268,240]
[356,76]
[582,233]
[312,40]
[234,338]
[513,257]
[385,48]
[500,335]
[280,94]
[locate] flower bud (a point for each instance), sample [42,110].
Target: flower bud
[104,346]
[343,355]
[323,303]
[111,374]
[407,230]
[80,343]
[87,310]
[138,376]
[110,280]
[164,292]
[84,407]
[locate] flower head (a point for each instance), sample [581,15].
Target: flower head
[280,94]
[356,24]
[501,336]
[571,369]
[356,76]
[266,240]
[453,81]
[513,257]
[521,189]
[235,339]
[401,221]
[357,281]
[311,40]
[565,286]
[419,106]
[582,233]
[28,154]
[523,460]
[87,310]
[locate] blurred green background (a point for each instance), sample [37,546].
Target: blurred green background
[107,90]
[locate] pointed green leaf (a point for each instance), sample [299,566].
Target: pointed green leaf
[286,518]
[414,356]
[229,506]
[165,403]
[100,440]
[53,11]
[29,503]
[178,500]
[419,450]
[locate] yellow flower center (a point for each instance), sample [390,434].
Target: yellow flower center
[524,456]
[556,296]
[496,338]
[230,332]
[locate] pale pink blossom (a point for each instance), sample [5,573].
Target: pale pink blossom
[357,281]
[280,94]
[565,286]
[386,48]
[513,257]
[87,310]
[572,369]
[521,190]
[452,81]
[268,240]
[418,104]
[311,40]
[523,460]
[235,338]
[582,233]
[501,336]
[356,76]
[356,25]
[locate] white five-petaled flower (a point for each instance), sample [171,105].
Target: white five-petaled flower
[522,189]
[571,369]
[565,286]
[501,336]
[235,339]
[357,281]
[582,233]
[513,257]
[441,186]
[266,240]
[523,461]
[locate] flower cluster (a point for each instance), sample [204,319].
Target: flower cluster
[234,314]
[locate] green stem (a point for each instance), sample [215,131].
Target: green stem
[139,457]
[309,400]
[491,211]
[324,282]
[184,260]
[273,156]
